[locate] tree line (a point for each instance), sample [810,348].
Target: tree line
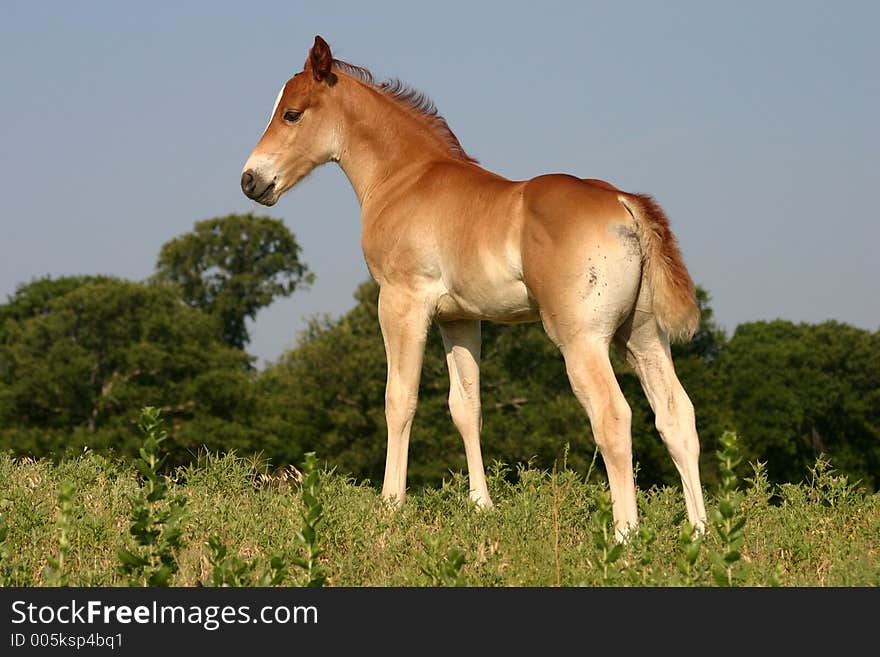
[81,355]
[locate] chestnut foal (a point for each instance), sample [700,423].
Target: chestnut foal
[453,243]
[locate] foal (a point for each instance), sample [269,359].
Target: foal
[453,243]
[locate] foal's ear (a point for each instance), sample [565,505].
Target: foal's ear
[321,62]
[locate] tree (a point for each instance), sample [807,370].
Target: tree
[76,368]
[800,390]
[34,298]
[327,394]
[230,267]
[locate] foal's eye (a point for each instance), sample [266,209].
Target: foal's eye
[292,116]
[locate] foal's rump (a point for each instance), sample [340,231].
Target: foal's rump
[579,264]
[588,248]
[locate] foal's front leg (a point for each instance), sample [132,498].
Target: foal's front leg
[404,320]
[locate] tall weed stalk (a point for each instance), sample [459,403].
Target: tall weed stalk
[726,518]
[155,516]
[312,518]
[56,572]
[608,548]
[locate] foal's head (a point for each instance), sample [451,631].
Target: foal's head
[303,131]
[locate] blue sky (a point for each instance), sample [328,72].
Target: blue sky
[753,123]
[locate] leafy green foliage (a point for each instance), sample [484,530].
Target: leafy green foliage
[230,267]
[155,526]
[231,570]
[797,391]
[726,519]
[608,549]
[81,356]
[690,568]
[5,570]
[644,542]
[312,519]
[56,572]
[35,299]
[443,566]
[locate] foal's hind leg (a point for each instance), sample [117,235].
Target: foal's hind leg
[593,382]
[461,339]
[647,350]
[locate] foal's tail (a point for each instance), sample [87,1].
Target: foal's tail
[672,289]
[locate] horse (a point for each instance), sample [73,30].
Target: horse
[450,242]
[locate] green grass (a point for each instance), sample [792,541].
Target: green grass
[69,522]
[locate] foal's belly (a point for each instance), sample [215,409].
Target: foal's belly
[505,301]
[481,275]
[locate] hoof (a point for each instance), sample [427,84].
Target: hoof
[482,501]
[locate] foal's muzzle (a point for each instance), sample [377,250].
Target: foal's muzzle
[256,189]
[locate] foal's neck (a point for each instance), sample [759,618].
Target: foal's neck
[381,137]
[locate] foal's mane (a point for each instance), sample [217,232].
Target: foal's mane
[412,99]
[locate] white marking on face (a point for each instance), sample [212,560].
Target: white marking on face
[275,106]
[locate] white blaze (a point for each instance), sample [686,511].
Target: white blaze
[275,106]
